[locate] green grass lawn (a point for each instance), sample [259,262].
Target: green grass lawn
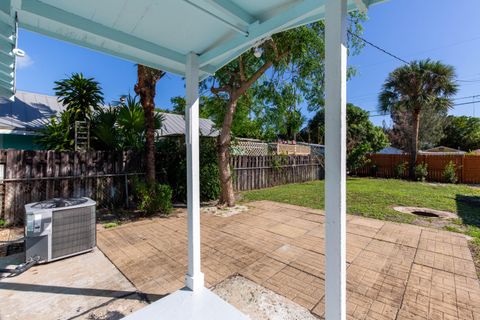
[375,198]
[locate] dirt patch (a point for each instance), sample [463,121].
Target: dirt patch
[258,302]
[224,212]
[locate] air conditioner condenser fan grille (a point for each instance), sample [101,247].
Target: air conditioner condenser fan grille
[73,230]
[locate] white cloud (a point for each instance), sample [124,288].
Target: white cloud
[24,62]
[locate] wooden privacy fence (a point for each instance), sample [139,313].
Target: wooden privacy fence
[383,165]
[107,177]
[256,172]
[31,176]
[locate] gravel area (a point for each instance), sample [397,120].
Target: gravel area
[258,302]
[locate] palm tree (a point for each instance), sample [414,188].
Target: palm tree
[415,87]
[146,88]
[81,96]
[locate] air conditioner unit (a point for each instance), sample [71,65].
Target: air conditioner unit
[59,228]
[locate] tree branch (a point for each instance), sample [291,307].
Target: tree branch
[242,69]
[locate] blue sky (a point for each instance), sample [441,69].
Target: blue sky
[443,30]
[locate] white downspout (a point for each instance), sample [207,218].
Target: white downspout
[194,278]
[335,158]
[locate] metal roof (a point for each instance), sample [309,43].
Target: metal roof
[31,111]
[156,33]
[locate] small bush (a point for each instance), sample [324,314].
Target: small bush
[421,172]
[3,223]
[450,172]
[399,170]
[153,198]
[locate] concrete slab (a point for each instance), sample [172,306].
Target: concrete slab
[185,304]
[87,286]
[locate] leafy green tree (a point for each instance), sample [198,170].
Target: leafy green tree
[145,88]
[362,136]
[430,130]
[56,134]
[414,87]
[81,96]
[462,133]
[295,56]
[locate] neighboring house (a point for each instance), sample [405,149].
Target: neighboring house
[174,125]
[442,150]
[20,120]
[390,150]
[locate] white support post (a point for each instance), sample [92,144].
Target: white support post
[335,158]
[194,278]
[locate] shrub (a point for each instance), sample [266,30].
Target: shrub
[209,182]
[450,172]
[172,165]
[421,172]
[3,223]
[399,170]
[154,197]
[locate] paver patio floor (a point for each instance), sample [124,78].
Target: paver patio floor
[395,271]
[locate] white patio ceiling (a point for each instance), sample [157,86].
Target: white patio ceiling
[156,33]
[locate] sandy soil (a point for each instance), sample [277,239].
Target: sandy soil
[258,302]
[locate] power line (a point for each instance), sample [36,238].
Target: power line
[455,105]
[378,48]
[465,103]
[397,57]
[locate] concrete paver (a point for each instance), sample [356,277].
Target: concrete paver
[394,271]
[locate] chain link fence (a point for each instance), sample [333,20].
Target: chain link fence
[109,191]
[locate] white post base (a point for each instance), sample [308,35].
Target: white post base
[195,283]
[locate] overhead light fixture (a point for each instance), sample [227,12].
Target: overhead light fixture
[257,52]
[18,52]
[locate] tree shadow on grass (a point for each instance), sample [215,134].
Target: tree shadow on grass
[468,209]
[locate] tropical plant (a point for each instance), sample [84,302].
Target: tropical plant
[81,96]
[104,133]
[450,172]
[55,135]
[416,87]
[145,88]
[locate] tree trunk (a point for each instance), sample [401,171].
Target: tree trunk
[414,143]
[145,88]
[227,196]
